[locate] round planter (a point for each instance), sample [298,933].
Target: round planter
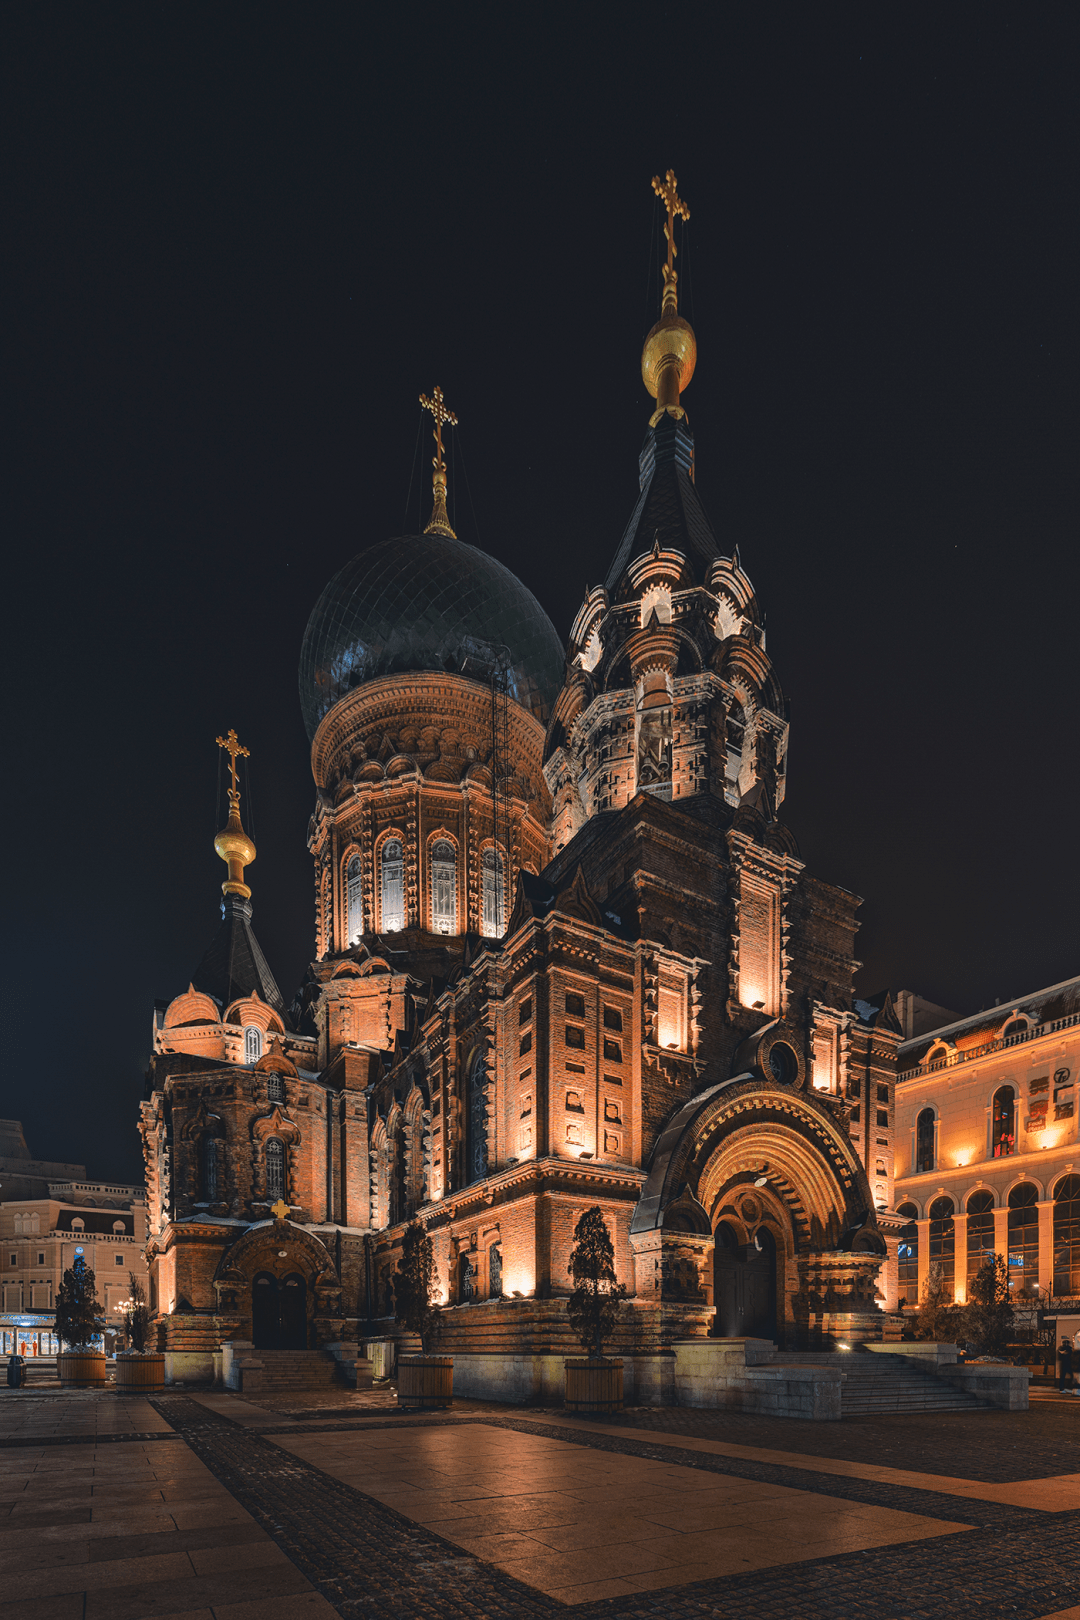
[594,1386]
[82,1369]
[136,1374]
[425,1381]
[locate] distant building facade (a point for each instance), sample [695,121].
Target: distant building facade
[55,1216]
[988,1157]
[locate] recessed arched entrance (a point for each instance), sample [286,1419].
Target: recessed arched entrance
[279,1312]
[744,1278]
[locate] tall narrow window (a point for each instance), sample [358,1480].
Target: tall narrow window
[924,1141]
[494,890]
[907,1255]
[252,1044]
[1024,1238]
[392,886]
[354,905]
[275,1088]
[275,1169]
[1067,1236]
[443,887]
[980,1229]
[210,1169]
[1003,1124]
[943,1242]
[495,1271]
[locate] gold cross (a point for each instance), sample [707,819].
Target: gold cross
[279,1210]
[234,748]
[437,407]
[666,190]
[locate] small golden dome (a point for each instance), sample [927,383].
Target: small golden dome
[669,346]
[233,843]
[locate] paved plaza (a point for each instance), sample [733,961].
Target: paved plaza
[200,1506]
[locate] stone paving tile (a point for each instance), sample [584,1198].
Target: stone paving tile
[364,1556]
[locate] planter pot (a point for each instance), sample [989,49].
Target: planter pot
[594,1386]
[136,1374]
[425,1381]
[82,1369]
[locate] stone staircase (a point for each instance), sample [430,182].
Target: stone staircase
[875,1384]
[283,1372]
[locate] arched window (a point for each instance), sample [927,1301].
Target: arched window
[924,1141]
[1067,1236]
[354,904]
[1024,1237]
[275,1088]
[1003,1124]
[494,894]
[908,1255]
[943,1241]
[466,1280]
[443,887]
[1015,1026]
[209,1169]
[78,1225]
[252,1044]
[392,886]
[275,1169]
[980,1229]
[495,1271]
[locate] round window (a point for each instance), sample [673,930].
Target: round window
[783,1064]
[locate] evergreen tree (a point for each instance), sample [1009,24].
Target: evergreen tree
[989,1314]
[137,1315]
[414,1284]
[593,1307]
[938,1318]
[78,1313]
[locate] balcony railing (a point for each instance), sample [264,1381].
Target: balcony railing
[973,1052]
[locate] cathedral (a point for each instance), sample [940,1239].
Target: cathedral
[566,955]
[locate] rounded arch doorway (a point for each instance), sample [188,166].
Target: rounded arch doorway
[279,1311]
[744,1276]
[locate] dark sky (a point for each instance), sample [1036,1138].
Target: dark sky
[244,238]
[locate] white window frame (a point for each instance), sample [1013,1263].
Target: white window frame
[392,885]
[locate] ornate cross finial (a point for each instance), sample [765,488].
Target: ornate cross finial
[440,523]
[279,1210]
[667,191]
[232,842]
[234,750]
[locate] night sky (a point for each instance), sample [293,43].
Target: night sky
[243,239]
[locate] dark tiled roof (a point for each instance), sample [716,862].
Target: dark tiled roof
[235,965]
[668,507]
